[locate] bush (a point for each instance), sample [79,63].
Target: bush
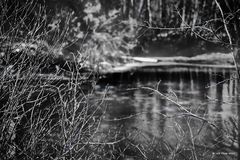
[41,118]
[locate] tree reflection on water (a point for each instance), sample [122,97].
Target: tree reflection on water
[210,95]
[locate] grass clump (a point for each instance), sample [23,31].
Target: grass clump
[41,118]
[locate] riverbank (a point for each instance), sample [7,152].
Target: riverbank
[204,62]
[213,60]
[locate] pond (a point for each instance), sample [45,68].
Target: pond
[162,118]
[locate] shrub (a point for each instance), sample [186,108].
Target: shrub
[41,118]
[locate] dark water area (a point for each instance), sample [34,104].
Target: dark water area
[187,47]
[134,109]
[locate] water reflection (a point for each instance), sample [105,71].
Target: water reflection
[209,94]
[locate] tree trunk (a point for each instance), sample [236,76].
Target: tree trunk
[125,9]
[140,7]
[183,15]
[195,14]
[149,12]
[128,6]
[160,10]
[133,5]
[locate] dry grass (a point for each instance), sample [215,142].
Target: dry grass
[40,118]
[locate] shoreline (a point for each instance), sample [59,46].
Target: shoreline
[218,61]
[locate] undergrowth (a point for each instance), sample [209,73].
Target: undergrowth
[41,118]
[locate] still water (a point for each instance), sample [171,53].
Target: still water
[135,111]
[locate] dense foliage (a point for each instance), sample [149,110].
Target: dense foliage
[137,23]
[126,25]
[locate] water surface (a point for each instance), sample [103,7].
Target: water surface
[132,108]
